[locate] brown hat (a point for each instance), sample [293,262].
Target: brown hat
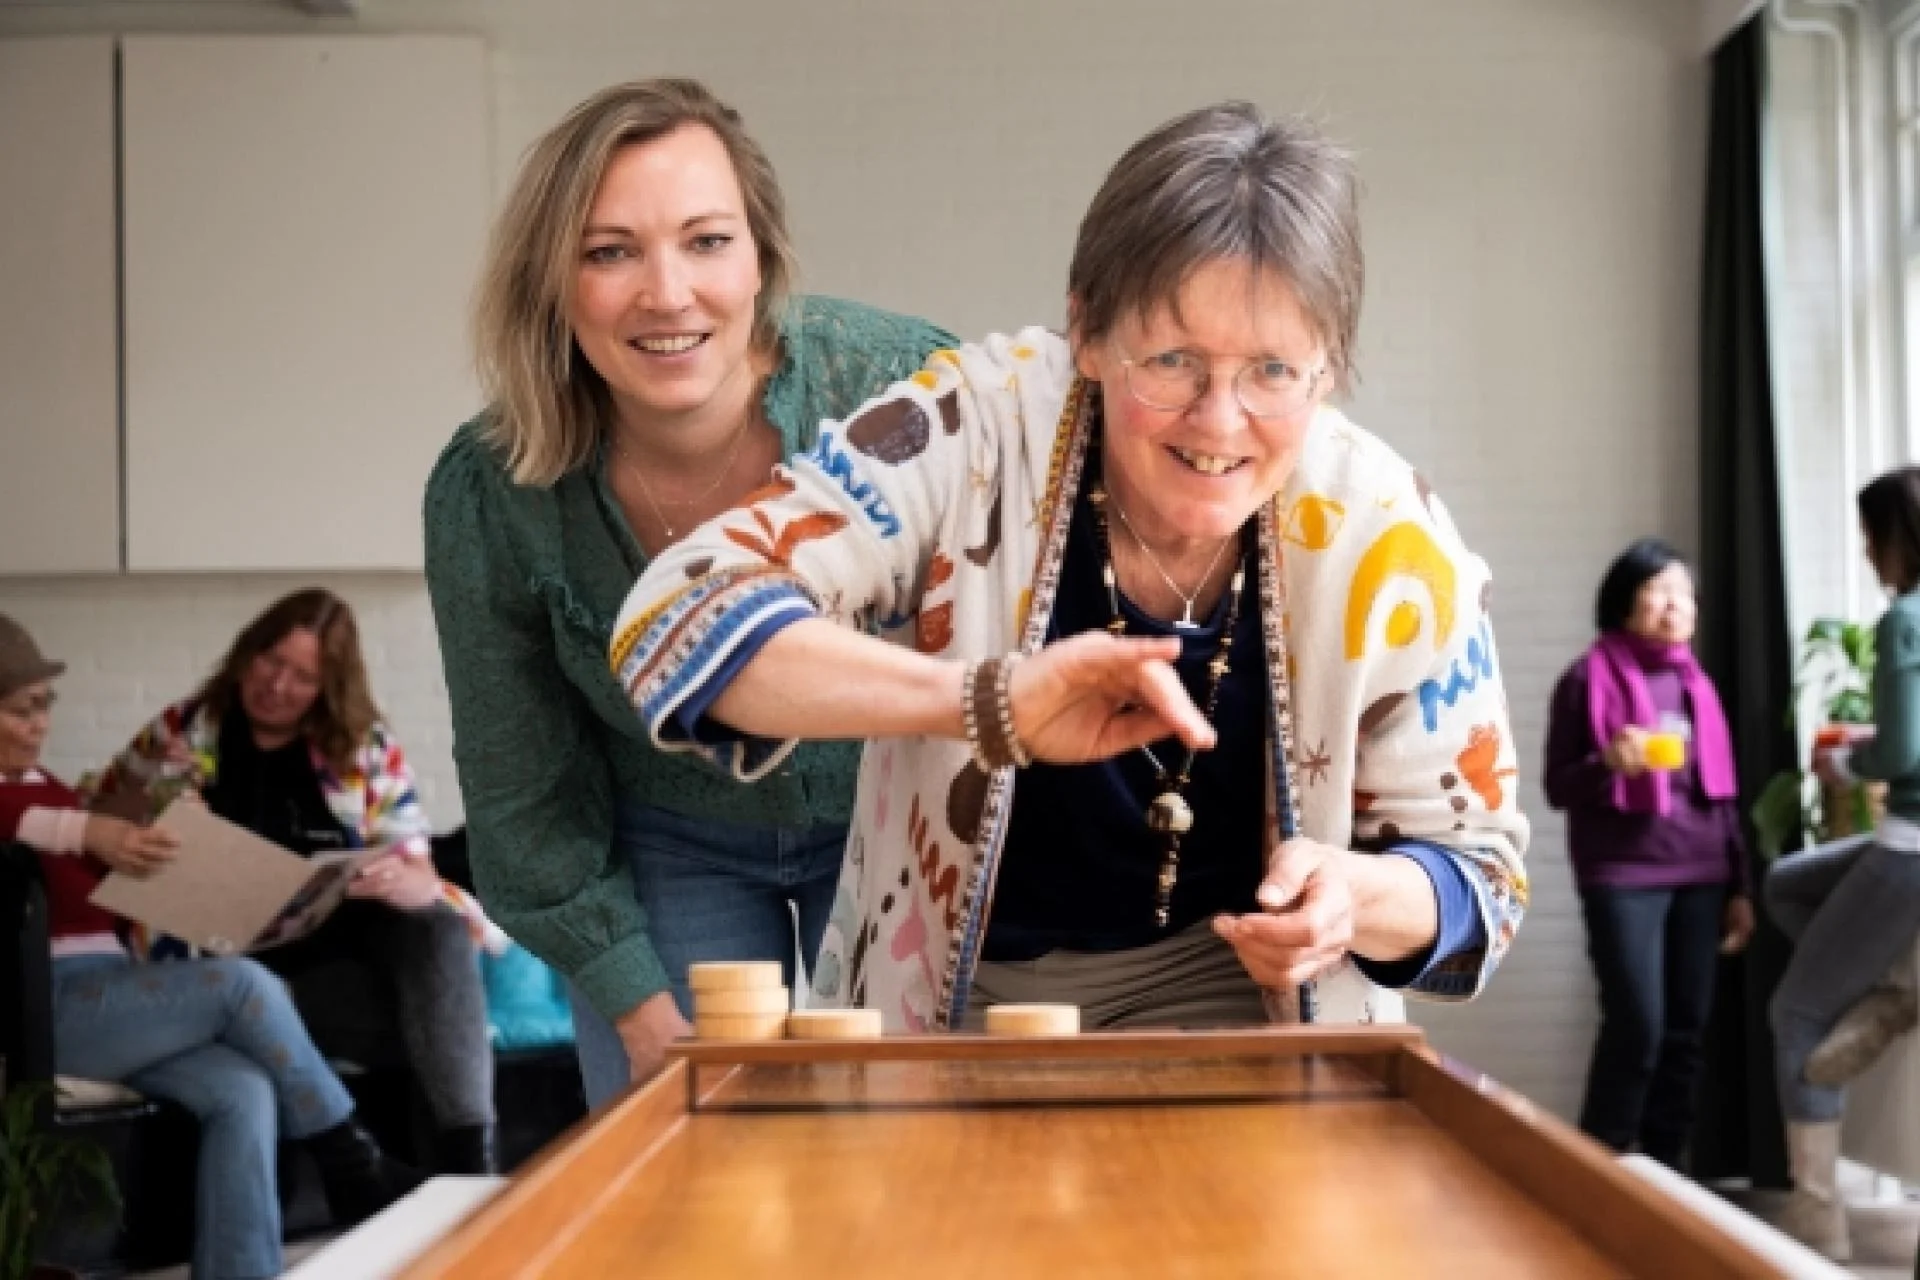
[21,662]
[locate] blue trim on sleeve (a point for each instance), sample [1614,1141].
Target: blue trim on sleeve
[690,715]
[1461,929]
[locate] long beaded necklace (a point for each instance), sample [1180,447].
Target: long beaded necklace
[1169,815]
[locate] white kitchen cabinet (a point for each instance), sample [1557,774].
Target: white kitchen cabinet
[59,376]
[303,221]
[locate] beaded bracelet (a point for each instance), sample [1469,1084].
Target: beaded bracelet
[969,684]
[987,711]
[1003,706]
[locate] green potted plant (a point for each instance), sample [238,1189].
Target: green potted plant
[1834,679]
[42,1172]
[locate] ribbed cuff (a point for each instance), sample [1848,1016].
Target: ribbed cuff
[616,982]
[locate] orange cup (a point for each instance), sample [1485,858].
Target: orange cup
[1665,751]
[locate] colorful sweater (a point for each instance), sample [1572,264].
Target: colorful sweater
[526,584]
[373,798]
[939,513]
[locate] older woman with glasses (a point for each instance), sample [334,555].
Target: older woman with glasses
[1184,705]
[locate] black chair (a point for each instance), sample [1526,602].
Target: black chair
[152,1145]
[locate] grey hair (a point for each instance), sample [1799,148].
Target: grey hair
[1225,182]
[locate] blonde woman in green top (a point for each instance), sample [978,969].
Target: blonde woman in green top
[645,369]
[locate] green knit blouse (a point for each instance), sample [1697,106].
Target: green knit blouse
[526,583]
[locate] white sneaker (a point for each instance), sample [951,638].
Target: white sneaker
[1820,1224]
[1814,1214]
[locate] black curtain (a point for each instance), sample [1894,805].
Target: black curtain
[1744,641]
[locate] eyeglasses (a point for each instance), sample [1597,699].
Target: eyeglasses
[272,668]
[1175,380]
[29,708]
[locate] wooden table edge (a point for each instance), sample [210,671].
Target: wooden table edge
[1576,1180]
[1273,1042]
[543,1202]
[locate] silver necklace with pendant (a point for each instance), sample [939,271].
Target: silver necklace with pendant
[1185,621]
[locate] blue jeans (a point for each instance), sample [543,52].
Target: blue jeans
[221,1038]
[712,891]
[1852,908]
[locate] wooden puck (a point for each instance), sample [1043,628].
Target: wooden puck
[739,1026]
[834,1024]
[733,975]
[731,1002]
[1033,1020]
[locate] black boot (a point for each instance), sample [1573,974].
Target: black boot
[359,1178]
[468,1149]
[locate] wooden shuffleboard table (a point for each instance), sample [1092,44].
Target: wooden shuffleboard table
[1283,1152]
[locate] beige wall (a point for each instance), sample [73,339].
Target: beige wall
[1533,169]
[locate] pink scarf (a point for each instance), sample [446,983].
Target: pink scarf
[1617,696]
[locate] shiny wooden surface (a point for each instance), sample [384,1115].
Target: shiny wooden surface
[965,1085]
[1114,1157]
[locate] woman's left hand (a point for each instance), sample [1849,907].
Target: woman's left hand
[1736,927]
[400,880]
[1307,923]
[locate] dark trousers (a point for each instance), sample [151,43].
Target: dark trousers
[1654,953]
[374,980]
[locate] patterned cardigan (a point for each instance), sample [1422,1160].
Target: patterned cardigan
[939,513]
[373,799]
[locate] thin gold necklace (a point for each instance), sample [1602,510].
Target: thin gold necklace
[646,491]
[1185,621]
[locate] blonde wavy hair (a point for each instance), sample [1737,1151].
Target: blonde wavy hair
[546,404]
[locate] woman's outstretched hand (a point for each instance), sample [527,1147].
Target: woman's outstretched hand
[1094,696]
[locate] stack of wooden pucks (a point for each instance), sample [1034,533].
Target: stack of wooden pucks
[738,1000]
[745,1000]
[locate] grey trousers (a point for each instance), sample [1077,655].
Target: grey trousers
[382,987]
[1852,909]
[1192,980]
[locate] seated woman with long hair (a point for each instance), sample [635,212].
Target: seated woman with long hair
[285,740]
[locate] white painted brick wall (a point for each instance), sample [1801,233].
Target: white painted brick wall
[134,644]
[1534,170]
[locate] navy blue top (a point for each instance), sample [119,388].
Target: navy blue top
[1080,867]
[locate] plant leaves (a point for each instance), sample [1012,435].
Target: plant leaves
[1780,818]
